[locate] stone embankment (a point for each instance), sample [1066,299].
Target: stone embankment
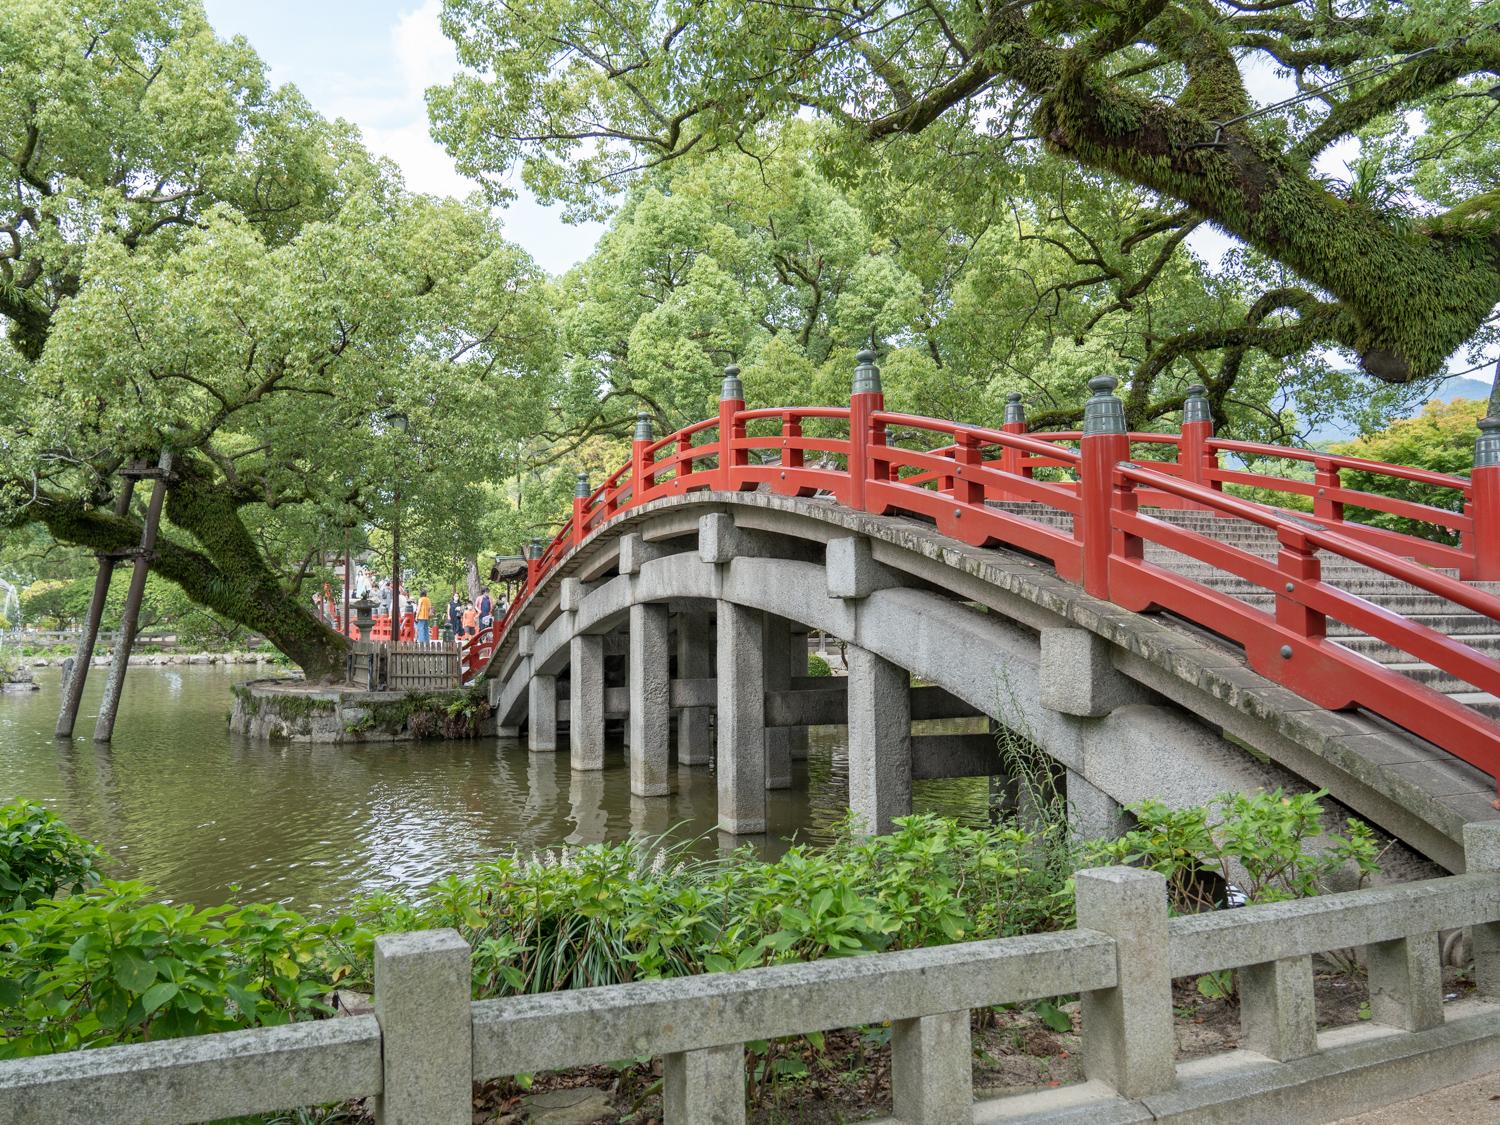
[159,659]
[292,710]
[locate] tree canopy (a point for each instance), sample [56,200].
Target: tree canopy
[1400,266]
[196,262]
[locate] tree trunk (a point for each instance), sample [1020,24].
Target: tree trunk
[228,575]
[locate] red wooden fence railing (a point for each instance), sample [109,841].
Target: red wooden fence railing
[878,461]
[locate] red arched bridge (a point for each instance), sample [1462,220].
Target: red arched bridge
[1395,630]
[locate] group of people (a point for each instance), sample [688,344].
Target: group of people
[465,618]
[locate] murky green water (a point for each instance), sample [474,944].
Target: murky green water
[210,818]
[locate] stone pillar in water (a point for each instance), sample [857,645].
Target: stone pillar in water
[694,662]
[541,719]
[777,651]
[586,703]
[650,699]
[879,740]
[741,720]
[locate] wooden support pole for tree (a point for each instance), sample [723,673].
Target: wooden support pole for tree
[73,686]
[104,729]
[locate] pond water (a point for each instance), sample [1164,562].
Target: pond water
[208,817]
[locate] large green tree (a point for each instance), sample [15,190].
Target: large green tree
[1400,266]
[196,262]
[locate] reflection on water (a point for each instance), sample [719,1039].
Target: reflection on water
[207,817]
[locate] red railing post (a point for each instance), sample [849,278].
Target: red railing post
[731,402]
[1193,454]
[1104,446]
[1298,560]
[865,398]
[640,460]
[684,462]
[1326,476]
[1015,423]
[533,563]
[581,492]
[1484,501]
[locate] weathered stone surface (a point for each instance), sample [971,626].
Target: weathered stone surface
[586,702]
[706,1086]
[541,715]
[741,720]
[879,741]
[582,1105]
[650,700]
[1077,677]
[422,984]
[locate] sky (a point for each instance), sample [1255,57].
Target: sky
[370,62]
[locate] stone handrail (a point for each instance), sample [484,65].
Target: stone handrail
[427,1042]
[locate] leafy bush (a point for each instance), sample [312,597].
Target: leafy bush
[40,858]
[110,966]
[817,666]
[1262,839]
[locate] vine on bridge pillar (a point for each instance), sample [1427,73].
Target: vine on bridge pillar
[1105,444]
[1484,503]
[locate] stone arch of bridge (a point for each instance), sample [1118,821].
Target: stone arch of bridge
[1130,705]
[1107,736]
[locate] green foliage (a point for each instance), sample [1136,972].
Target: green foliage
[109,965]
[1440,439]
[40,858]
[1272,844]
[817,666]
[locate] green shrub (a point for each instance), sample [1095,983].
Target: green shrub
[817,666]
[40,858]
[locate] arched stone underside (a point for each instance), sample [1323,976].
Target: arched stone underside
[1129,706]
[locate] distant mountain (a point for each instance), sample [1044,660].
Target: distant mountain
[1450,391]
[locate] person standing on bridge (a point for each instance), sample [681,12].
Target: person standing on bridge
[486,609]
[455,615]
[424,618]
[471,620]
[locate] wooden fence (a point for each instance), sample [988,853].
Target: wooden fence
[403,666]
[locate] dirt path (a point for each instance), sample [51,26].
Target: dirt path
[1469,1103]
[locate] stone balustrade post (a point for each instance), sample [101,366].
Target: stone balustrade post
[1278,1015]
[1128,1040]
[422,993]
[1482,854]
[1406,982]
[704,1087]
[932,1079]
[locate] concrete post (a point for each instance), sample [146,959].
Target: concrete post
[1406,982]
[694,662]
[932,1079]
[797,736]
[422,991]
[1128,1041]
[776,648]
[1092,813]
[705,1087]
[586,703]
[1482,853]
[1077,677]
[1278,1016]
[741,720]
[650,699]
[879,740]
[541,718]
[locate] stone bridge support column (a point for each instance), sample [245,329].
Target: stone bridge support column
[1077,678]
[778,677]
[650,699]
[541,699]
[879,740]
[797,736]
[694,662]
[586,703]
[741,720]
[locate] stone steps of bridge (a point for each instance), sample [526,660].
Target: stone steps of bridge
[1476,630]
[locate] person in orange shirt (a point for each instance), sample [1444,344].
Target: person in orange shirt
[471,620]
[424,618]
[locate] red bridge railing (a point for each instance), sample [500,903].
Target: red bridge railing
[878,461]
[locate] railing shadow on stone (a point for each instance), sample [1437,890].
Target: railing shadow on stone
[427,1042]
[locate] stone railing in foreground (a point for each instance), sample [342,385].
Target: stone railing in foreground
[427,1042]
